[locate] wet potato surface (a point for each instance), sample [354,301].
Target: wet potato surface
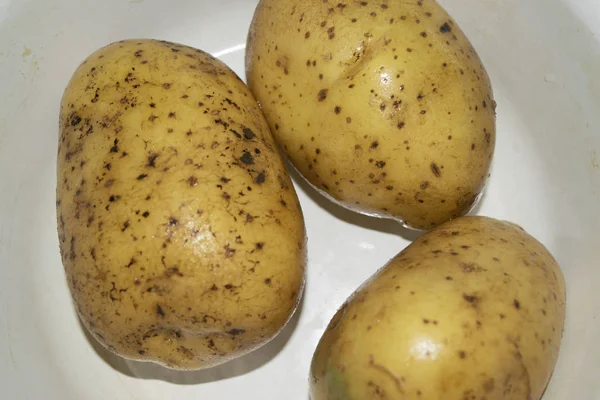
[383,105]
[472,310]
[180,231]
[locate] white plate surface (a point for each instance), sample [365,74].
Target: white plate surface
[544,60]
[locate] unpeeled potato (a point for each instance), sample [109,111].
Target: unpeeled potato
[180,231]
[474,309]
[382,105]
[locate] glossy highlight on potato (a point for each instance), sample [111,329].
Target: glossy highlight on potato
[180,231]
[384,106]
[474,309]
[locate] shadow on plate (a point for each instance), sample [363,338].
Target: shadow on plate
[233,368]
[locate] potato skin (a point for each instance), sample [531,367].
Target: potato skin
[180,231]
[382,105]
[472,310]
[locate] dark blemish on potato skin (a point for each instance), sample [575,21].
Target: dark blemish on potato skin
[159,311]
[462,354]
[322,95]
[337,109]
[152,160]
[260,178]
[247,158]
[125,225]
[516,304]
[192,181]
[236,331]
[331,32]
[436,170]
[445,28]
[470,298]
[248,134]
[76,120]
[141,176]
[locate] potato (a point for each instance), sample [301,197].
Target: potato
[382,105]
[180,231]
[472,310]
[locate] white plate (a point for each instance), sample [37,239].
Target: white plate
[544,60]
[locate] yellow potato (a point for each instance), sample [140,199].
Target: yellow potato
[382,105]
[472,310]
[180,231]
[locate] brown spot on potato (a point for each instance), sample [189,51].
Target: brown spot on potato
[322,95]
[516,304]
[248,133]
[436,170]
[445,28]
[192,181]
[236,331]
[247,158]
[125,225]
[260,178]
[152,160]
[159,311]
[331,32]
[470,298]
